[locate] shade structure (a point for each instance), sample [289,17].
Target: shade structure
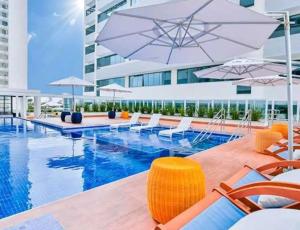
[72,82]
[243,68]
[114,88]
[186,31]
[265,81]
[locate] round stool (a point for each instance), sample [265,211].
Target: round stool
[265,138]
[282,128]
[174,184]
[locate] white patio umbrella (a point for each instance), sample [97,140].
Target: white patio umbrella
[265,81]
[115,88]
[186,31]
[52,104]
[242,68]
[73,82]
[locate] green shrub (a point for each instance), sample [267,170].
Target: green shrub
[95,107]
[143,109]
[201,111]
[102,107]
[256,115]
[210,113]
[149,109]
[125,109]
[109,106]
[164,111]
[171,110]
[182,112]
[190,111]
[86,107]
[155,109]
[136,108]
[234,114]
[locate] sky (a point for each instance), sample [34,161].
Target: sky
[55,43]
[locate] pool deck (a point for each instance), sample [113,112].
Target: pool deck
[123,205]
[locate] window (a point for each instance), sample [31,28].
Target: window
[90,30]
[89,68]
[90,10]
[243,89]
[4,23]
[150,79]
[247,3]
[105,14]
[4,6]
[5,40]
[186,76]
[109,60]
[90,49]
[89,89]
[295,28]
[118,80]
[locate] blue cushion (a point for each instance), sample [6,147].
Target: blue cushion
[284,155]
[76,118]
[221,215]
[249,178]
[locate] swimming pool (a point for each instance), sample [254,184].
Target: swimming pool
[39,164]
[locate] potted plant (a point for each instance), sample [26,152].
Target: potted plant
[234,113]
[164,111]
[95,108]
[256,115]
[171,111]
[182,112]
[102,107]
[201,111]
[190,111]
[210,113]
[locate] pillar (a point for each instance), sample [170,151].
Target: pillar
[37,106]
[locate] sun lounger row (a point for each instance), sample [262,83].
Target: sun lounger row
[183,126]
[237,203]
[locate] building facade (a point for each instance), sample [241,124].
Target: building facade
[13,53]
[176,84]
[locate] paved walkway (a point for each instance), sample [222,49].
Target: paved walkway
[122,204]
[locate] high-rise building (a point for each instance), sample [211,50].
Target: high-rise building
[13,53]
[177,84]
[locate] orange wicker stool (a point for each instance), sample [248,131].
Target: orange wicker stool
[124,115]
[265,138]
[282,128]
[174,184]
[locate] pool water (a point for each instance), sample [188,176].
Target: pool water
[39,164]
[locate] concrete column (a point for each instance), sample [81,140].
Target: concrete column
[228,109]
[246,106]
[37,106]
[266,114]
[127,81]
[23,106]
[17,106]
[173,76]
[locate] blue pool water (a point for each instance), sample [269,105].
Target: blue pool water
[40,164]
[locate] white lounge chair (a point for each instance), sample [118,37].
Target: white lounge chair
[182,127]
[153,122]
[134,120]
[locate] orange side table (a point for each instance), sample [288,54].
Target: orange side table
[282,128]
[174,184]
[265,138]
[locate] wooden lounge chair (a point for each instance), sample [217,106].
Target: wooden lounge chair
[134,120]
[279,152]
[220,210]
[182,127]
[153,122]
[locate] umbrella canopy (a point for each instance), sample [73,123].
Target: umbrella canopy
[73,82]
[114,88]
[52,104]
[265,81]
[186,31]
[242,68]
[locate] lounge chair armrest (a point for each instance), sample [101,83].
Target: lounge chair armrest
[283,164]
[283,189]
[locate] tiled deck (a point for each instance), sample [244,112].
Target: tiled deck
[122,204]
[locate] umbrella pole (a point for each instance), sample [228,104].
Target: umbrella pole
[73,100]
[114,100]
[289,82]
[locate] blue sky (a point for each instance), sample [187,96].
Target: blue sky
[55,39]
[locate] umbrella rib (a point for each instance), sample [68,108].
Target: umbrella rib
[186,30]
[148,43]
[227,39]
[203,50]
[166,33]
[173,46]
[147,36]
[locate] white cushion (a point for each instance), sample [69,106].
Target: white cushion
[296,155]
[275,219]
[270,201]
[68,119]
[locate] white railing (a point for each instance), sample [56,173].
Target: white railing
[245,123]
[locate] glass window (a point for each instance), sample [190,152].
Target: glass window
[89,68]
[90,49]
[118,80]
[247,3]
[295,28]
[109,60]
[185,76]
[90,10]
[4,23]
[89,89]
[105,14]
[90,30]
[243,89]
[150,79]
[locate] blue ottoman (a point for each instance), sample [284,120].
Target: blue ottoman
[63,115]
[76,118]
[111,114]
